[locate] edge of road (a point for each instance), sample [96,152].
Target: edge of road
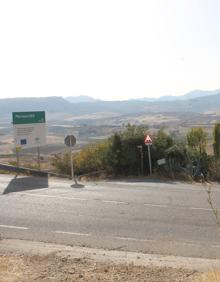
[25,247]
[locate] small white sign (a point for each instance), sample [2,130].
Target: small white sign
[161,162]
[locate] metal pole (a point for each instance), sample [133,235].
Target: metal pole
[38,158]
[71,164]
[149,158]
[17,157]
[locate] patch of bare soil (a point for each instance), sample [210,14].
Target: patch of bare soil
[22,268]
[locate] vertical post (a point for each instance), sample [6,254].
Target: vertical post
[71,162]
[149,158]
[17,158]
[38,158]
[171,168]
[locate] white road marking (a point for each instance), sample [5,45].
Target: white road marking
[114,202]
[110,201]
[52,196]
[73,198]
[171,207]
[133,239]
[188,243]
[203,209]
[72,233]
[155,205]
[215,246]
[13,227]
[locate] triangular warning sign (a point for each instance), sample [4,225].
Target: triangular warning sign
[148,140]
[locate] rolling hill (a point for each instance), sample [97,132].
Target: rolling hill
[59,105]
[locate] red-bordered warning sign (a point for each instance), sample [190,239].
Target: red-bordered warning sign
[148,140]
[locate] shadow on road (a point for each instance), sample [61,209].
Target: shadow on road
[18,184]
[77,185]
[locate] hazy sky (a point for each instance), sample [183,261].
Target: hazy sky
[115,49]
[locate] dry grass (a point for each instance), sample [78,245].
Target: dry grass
[11,269]
[212,276]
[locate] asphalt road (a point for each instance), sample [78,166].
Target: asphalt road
[151,217]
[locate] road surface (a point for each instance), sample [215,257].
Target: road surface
[169,218]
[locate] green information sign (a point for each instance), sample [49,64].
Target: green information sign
[28,117]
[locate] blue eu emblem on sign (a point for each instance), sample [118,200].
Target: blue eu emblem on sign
[23,141]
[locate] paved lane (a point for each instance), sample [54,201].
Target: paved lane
[166,218]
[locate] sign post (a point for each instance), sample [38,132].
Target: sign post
[70,141]
[38,157]
[29,131]
[148,142]
[17,150]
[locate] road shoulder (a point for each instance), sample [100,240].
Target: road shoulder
[40,260]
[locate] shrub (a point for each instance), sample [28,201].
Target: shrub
[62,163]
[92,158]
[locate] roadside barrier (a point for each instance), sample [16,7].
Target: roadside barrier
[31,171]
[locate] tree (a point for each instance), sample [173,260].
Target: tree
[161,142]
[124,157]
[134,132]
[114,155]
[197,139]
[131,138]
[216,136]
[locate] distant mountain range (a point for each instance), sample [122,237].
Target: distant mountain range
[191,95]
[204,102]
[80,99]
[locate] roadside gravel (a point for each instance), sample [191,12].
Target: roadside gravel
[56,268]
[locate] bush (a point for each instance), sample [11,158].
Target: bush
[120,155]
[62,163]
[214,169]
[89,159]
[124,156]
[92,158]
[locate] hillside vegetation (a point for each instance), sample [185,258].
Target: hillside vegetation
[121,155]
